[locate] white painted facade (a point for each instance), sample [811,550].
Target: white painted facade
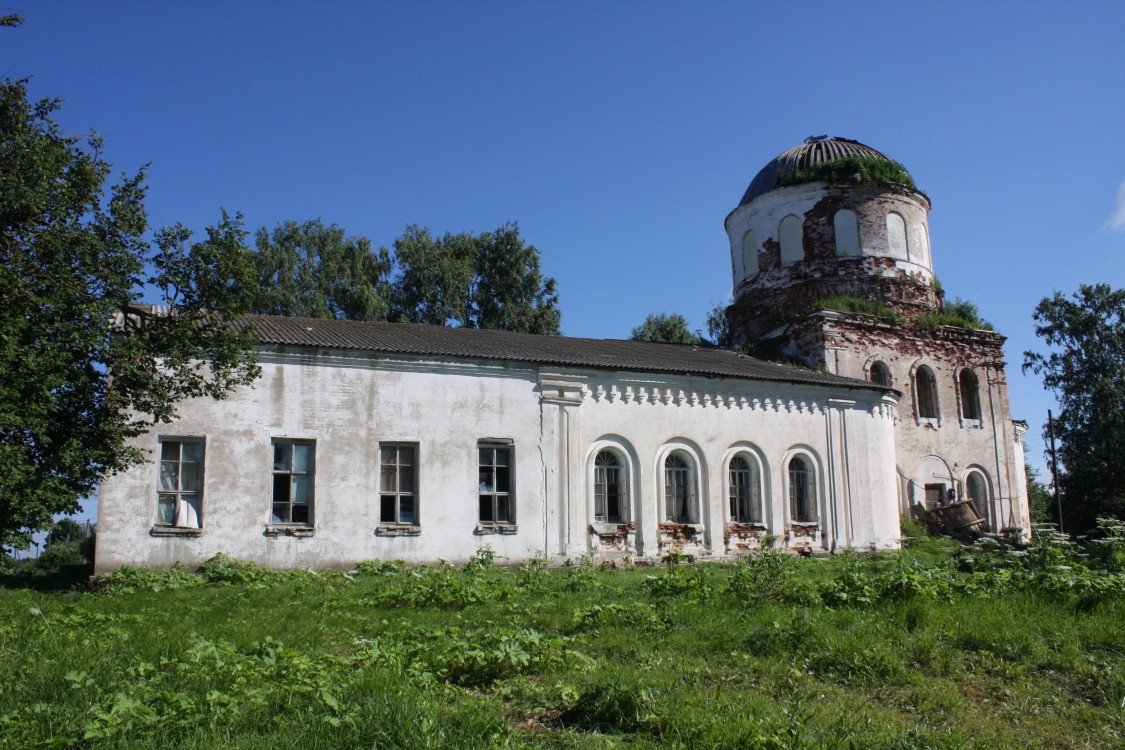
[348,404]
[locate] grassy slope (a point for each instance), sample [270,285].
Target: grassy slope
[699,655]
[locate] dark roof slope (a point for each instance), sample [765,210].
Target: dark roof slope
[602,354]
[814,151]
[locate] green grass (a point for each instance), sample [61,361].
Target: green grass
[844,303]
[939,646]
[852,169]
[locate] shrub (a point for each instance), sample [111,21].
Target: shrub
[771,575]
[852,169]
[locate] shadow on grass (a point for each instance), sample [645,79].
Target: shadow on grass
[66,578]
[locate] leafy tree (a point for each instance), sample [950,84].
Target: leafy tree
[73,388]
[508,292]
[491,280]
[66,530]
[665,328]
[718,326]
[1038,497]
[315,271]
[435,276]
[1084,366]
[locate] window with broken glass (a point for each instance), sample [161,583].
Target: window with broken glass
[180,493]
[398,495]
[677,489]
[802,491]
[495,475]
[925,386]
[293,474]
[970,395]
[609,488]
[745,491]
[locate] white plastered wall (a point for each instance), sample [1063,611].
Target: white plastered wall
[349,403]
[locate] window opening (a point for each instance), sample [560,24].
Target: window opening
[745,497]
[677,489]
[293,473]
[398,499]
[881,374]
[926,388]
[609,488]
[180,492]
[970,395]
[802,491]
[495,473]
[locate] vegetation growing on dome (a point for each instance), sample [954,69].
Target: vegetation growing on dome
[844,303]
[851,169]
[959,313]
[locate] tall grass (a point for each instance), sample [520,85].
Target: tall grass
[993,646]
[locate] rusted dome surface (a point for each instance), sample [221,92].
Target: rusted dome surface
[815,150]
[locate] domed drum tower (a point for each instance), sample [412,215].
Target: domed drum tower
[831,264]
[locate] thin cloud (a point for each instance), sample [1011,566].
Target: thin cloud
[1116,222]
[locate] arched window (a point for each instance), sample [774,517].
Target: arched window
[880,374]
[749,254]
[977,490]
[679,490]
[847,233]
[802,490]
[745,490]
[609,488]
[925,393]
[896,236]
[792,240]
[969,387]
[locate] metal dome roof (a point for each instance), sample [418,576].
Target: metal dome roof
[815,150]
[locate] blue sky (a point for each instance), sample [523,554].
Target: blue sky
[618,134]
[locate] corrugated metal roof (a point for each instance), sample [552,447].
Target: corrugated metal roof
[815,150]
[560,351]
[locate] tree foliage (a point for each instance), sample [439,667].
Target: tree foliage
[1084,366]
[311,270]
[718,325]
[1039,502]
[665,328]
[72,390]
[491,280]
[434,277]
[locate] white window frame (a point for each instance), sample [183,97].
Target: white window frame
[620,467]
[753,483]
[935,418]
[394,492]
[292,474]
[185,515]
[491,492]
[691,499]
[969,419]
[813,485]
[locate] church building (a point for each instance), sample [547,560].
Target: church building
[373,440]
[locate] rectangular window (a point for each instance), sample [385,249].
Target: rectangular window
[497,505]
[180,492]
[398,494]
[293,473]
